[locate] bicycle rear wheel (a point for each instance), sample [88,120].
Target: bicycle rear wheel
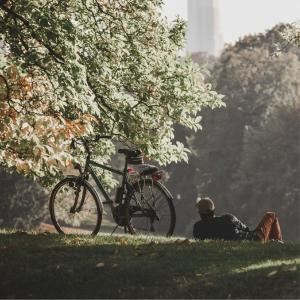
[150,210]
[75,207]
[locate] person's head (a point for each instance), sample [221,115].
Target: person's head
[206,208]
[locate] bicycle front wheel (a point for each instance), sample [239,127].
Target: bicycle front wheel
[149,209]
[75,207]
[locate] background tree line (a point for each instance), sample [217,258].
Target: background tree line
[247,156]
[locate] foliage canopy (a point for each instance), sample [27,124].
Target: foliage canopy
[292,33]
[82,67]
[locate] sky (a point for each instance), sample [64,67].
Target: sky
[241,17]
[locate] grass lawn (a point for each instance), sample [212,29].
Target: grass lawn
[36,265]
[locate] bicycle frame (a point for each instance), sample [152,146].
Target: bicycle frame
[89,169]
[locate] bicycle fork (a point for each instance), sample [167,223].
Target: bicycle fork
[73,209]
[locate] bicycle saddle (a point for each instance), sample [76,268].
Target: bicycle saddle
[145,170]
[130,153]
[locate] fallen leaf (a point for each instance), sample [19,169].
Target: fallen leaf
[185,241]
[209,284]
[292,269]
[100,265]
[45,232]
[21,232]
[272,273]
[122,241]
[153,243]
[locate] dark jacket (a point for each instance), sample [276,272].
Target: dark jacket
[226,227]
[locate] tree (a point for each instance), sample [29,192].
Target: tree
[81,67]
[181,174]
[268,175]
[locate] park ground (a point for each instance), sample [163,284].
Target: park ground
[47,265]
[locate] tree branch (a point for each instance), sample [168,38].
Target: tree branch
[57,57]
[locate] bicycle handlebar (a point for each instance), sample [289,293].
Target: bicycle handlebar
[85,142]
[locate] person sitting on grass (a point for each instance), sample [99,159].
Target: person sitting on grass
[228,227]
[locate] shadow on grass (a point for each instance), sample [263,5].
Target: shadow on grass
[51,266]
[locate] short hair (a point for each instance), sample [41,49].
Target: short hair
[206,207]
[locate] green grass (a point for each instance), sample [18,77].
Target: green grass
[52,266]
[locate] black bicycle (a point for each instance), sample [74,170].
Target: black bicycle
[142,205]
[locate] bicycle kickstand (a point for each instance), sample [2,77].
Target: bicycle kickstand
[114,230]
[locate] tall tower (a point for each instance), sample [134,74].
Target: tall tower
[204,27]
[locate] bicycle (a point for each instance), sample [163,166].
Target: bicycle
[142,205]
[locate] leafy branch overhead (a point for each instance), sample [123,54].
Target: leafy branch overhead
[81,67]
[292,33]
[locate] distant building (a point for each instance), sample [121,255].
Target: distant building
[204,27]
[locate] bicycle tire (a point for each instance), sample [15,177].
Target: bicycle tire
[148,211]
[61,225]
